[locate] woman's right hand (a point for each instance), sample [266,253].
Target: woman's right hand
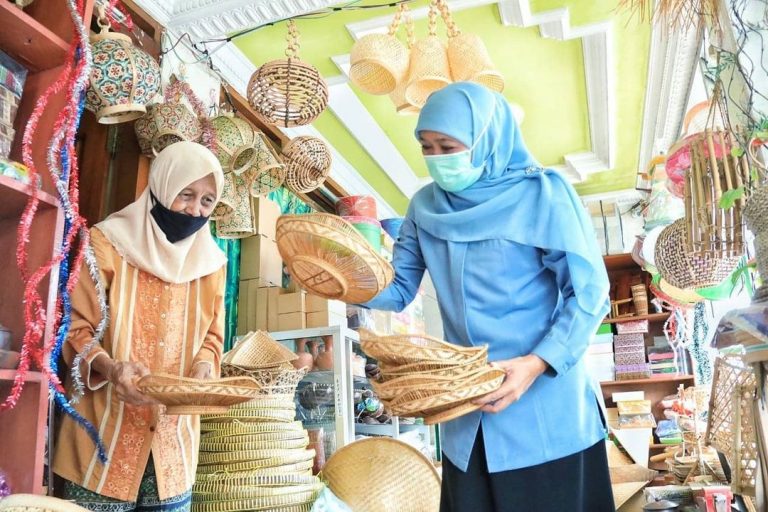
[124,375]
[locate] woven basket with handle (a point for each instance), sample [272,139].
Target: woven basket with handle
[328,257]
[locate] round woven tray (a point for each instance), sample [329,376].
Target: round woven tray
[258,350]
[436,369]
[275,457]
[237,445]
[250,479]
[405,349]
[37,503]
[445,415]
[248,505]
[330,258]
[395,387]
[266,402]
[256,415]
[182,395]
[224,492]
[383,474]
[258,467]
[290,430]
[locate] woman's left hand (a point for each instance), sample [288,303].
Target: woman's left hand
[521,372]
[201,370]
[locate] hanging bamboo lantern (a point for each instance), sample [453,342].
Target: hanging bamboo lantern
[288,92]
[234,141]
[402,105]
[429,69]
[165,124]
[308,163]
[123,78]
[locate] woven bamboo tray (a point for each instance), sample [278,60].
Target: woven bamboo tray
[258,467]
[182,395]
[224,492]
[237,427]
[249,505]
[382,474]
[435,416]
[405,349]
[252,445]
[328,257]
[258,350]
[257,415]
[267,402]
[395,387]
[241,431]
[251,479]
[434,369]
[280,380]
[276,457]
[36,503]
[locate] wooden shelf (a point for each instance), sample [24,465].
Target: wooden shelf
[619,261]
[27,40]
[15,195]
[654,317]
[682,379]
[10,375]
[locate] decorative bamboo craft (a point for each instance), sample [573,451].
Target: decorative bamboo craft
[397,96]
[234,142]
[258,350]
[687,270]
[731,427]
[330,258]
[165,124]
[713,230]
[429,68]
[383,474]
[280,380]
[182,395]
[288,92]
[676,15]
[404,349]
[378,62]
[640,299]
[436,370]
[308,163]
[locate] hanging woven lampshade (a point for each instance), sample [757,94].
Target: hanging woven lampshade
[288,92]
[684,269]
[123,78]
[379,61]
[308,162]
[165,124]
[429,69]
[234,142]
[267,172]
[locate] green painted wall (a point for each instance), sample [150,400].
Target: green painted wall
[544,76]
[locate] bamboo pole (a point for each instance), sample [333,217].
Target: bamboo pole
[729,221]
[701,200]
[715,173]
[689,211]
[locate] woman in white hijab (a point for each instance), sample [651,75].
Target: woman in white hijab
[164,278]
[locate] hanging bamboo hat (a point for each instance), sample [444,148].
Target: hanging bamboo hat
[379,61]
[429,68]
[288,92]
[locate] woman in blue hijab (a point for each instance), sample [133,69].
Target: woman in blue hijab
[515,264]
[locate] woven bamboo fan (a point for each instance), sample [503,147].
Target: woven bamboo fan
[182,395]
[379,61]
[328,257]
[468,57]
[258,350]
[383,474]
[429,68]
[288,92]
[308,163]
[687,270]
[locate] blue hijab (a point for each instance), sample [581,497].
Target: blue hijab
[514,199]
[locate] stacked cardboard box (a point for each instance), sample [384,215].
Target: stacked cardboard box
[599,356]
[629,354]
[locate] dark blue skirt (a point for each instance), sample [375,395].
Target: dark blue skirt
[576,483]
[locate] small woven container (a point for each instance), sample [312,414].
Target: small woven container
[182,395]
[469,62]
[234,142]
[756,216]
[288,92]
[640,299]
[404,479]
[165,124]
[37,503]
[686,270]
[308,163]
[225,492]
[634,371]
[401,103]
[379,61]
[633,340]
[258,350]
[329,258]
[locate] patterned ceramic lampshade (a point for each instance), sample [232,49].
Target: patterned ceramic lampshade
[123,79]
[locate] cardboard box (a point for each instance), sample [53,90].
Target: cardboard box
[260,259]
[265,214]
[262,299]
[242,308]
[291,321]
[291,303]
[272,310]
[315,303]
[325,319]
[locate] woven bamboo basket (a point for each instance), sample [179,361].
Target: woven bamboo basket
[415,401]
[383,474]
[731,426]
[268,171]
[271,457]
[434,369]
[37,503]
[434,417]
[429,69]
[258,350]
[715,169]
[228,445]
[255,505]
[288,92]
[262,467]
[756,216]
[685,269]
[281,380]
[395,387]
[265,402]
[640,299]
[289,430]
[182,395]
[223,492]
[234,142]
[397,96]
[251,479]
[165,124]
[308,163]
[379,61]
[405,349]
[328,257]
[253,415]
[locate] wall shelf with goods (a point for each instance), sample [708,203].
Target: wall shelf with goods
[38,39]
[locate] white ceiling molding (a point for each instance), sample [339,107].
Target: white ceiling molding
[671,69]
[205,19]
[236,69]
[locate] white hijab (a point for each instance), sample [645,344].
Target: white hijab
[137,237]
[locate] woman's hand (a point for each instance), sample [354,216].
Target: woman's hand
[201,370]
[521,372]
[124,375]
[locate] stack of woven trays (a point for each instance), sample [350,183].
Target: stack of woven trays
[425,377]
[255,456]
